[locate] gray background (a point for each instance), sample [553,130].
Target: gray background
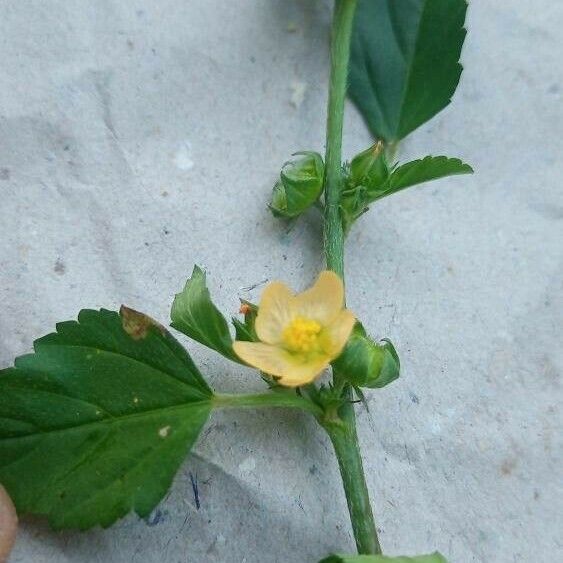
[138,138]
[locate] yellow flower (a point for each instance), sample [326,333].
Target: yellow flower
[300,334]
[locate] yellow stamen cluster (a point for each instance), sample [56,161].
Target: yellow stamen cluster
[301,334]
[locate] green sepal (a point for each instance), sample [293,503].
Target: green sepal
[97,421]
[365,363]
[404,63]
[194,314]
[299,187]
[278,205]
[353,204]
[432,558]
[246,331]
[361,397]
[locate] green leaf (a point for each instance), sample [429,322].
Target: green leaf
[419,171]
[194,314]
[426,169]
[432,558]
[365,363]
[404,65]
[97,421]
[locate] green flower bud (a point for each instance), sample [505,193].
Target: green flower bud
[366,178]
[369,168]
[365,363]
[300,185]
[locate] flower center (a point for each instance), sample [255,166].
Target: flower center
[301,334]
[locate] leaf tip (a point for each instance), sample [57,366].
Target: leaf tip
[198,272]
[136,324]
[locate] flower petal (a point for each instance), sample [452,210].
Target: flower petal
[274,313]
[323,301]
[338,333]
[293,370]
[302,374]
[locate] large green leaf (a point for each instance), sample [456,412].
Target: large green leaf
[432,558]
[418,172]
[194,314]
[404,65]
[96,422]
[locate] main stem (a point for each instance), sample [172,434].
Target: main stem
[343,434]
[339,56]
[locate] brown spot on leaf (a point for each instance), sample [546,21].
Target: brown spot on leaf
[136,324]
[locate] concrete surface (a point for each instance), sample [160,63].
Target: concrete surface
[138,138]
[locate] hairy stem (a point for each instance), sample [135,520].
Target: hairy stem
[339,56]
[343,435]
[345,442]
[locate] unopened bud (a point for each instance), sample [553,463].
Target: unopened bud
[369,168]
[300,185]
[365,363]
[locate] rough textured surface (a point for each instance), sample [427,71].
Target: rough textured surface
[139,138]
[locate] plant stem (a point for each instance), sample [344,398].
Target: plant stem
[343,434]
[273,399]
[344,439]
[339,56]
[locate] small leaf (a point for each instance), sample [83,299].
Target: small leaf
[194,314]
[420,171]
[365,363]
[97,421]
[404,65]
[426,169]
[432,558]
